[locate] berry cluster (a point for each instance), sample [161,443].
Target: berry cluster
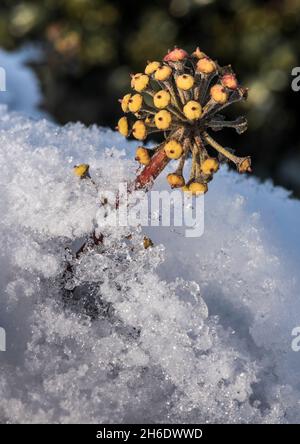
[183,96]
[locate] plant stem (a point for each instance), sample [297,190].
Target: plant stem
[220,148]
[145,179]
[243,163]
[239,124]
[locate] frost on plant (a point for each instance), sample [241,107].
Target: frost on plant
[183,96]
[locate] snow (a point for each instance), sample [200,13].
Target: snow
[192,330]
[21,89]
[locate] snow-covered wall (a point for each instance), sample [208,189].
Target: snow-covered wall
[192,330]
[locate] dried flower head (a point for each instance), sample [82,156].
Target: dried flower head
[183,96]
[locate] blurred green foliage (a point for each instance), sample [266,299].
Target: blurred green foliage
[91,46]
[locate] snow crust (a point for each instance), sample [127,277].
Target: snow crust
[191,330]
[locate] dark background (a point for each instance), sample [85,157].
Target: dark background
[91,46]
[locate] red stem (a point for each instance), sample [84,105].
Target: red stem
[157,163]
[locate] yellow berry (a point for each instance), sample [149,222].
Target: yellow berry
[219,94]
[147,242]
[139,130]
[198,53]
[210,166]
[185,81]
[139,82]
[149,120]
[151,67]
[163,73]
[205,65]
[197,188]
[185,189]
[175,180]
[124,102]
[163,119]
[245,165]
[81,170]
[135,103]
[161,99]
[192,110]
[173,149]
[142,155]
[123,127]
[134,78]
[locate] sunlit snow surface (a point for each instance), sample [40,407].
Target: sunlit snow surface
[192,330]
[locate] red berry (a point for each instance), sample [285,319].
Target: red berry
[176,55]
[229,80]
